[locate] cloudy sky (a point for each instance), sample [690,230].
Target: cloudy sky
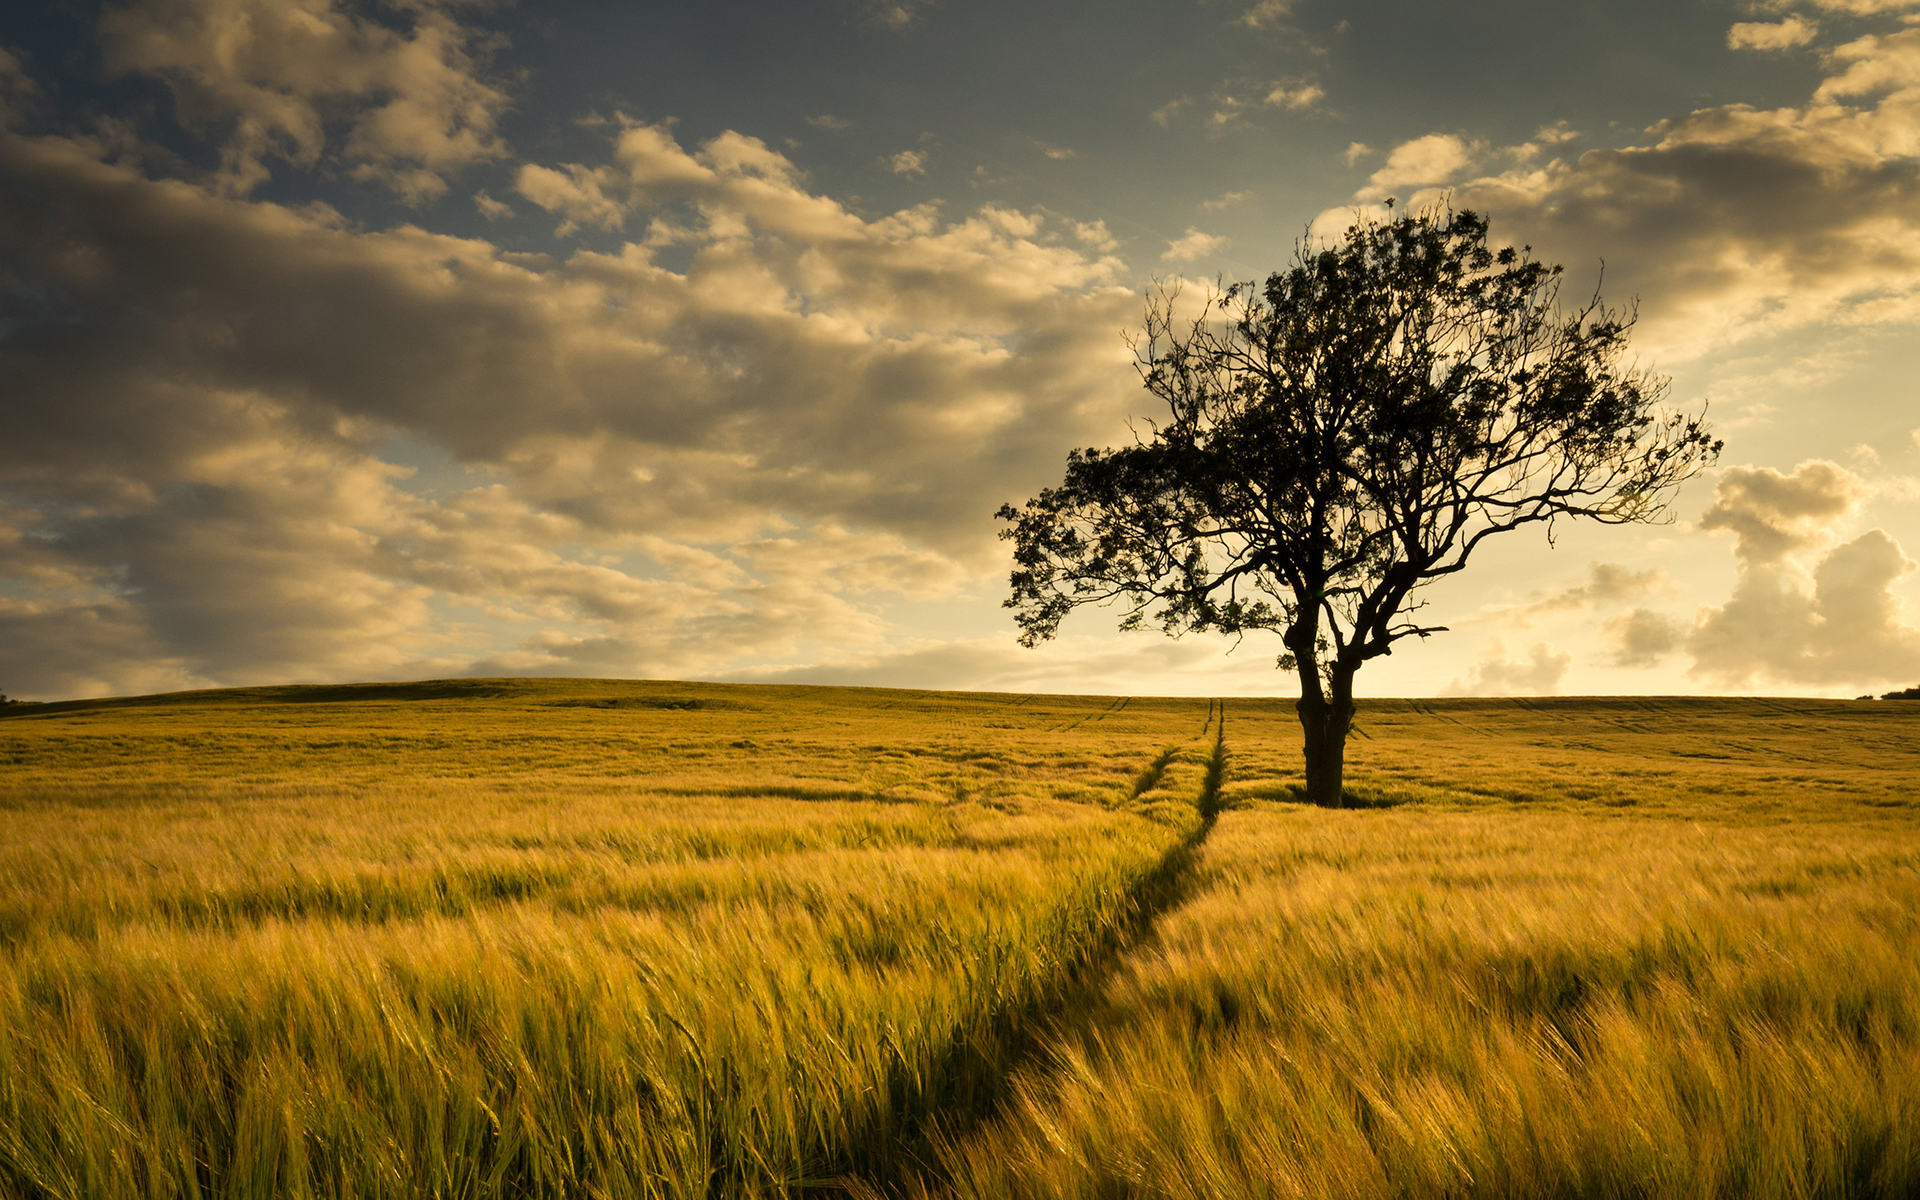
[415,338]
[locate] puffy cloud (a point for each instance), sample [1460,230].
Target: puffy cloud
[1642,638]
[1539,674]
[269,76]
[908,162]
[1434,158]
[1225,200]
[1735,221]
[1773,515]
[646,470]
[577,193]
[1192,245]
[1781,35]
[1847,628]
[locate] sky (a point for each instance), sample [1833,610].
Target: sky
[423,338]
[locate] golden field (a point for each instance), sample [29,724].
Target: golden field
[598,938]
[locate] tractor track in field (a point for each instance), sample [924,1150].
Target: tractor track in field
[901,1162]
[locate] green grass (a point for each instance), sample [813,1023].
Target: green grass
[545,938]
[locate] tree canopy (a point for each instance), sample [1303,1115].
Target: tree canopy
[1341,437]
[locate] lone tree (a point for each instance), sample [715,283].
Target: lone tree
[1342,437]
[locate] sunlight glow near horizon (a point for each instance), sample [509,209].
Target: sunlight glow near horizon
[394,344]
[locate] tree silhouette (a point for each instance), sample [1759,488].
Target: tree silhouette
[1342,437]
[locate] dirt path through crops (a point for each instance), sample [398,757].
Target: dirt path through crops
[912,1168]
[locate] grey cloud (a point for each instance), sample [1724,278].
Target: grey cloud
[268,76]
[1607,584]
[1641,638]
[1735,221]
[1773,515]
[817,407]
[1539,674]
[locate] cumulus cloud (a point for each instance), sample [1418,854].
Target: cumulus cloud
[1779,35]
[1734,221]
[1192,245]
[1841,623]
[909,162]
[1772,515]
[268,77]
[1434,158]
[645,469]
[1539,673]
[1641,638]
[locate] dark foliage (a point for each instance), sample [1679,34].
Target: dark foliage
[1342,437]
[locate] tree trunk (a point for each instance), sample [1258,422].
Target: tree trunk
[1326,721]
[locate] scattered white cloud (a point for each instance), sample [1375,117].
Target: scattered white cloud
[491,209]
[1164,115]
[1192,245]
[1841,623]
[1556,134]
[1094,235]
[1225,200]
[1294,97]
[909,162]
[1435,158]
[1780,35]
[1357,151]
[581,195]
[1265,14]
[1538,674]
[1735,222]
[268,78]
[829,123]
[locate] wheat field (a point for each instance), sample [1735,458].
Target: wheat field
[598,938]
